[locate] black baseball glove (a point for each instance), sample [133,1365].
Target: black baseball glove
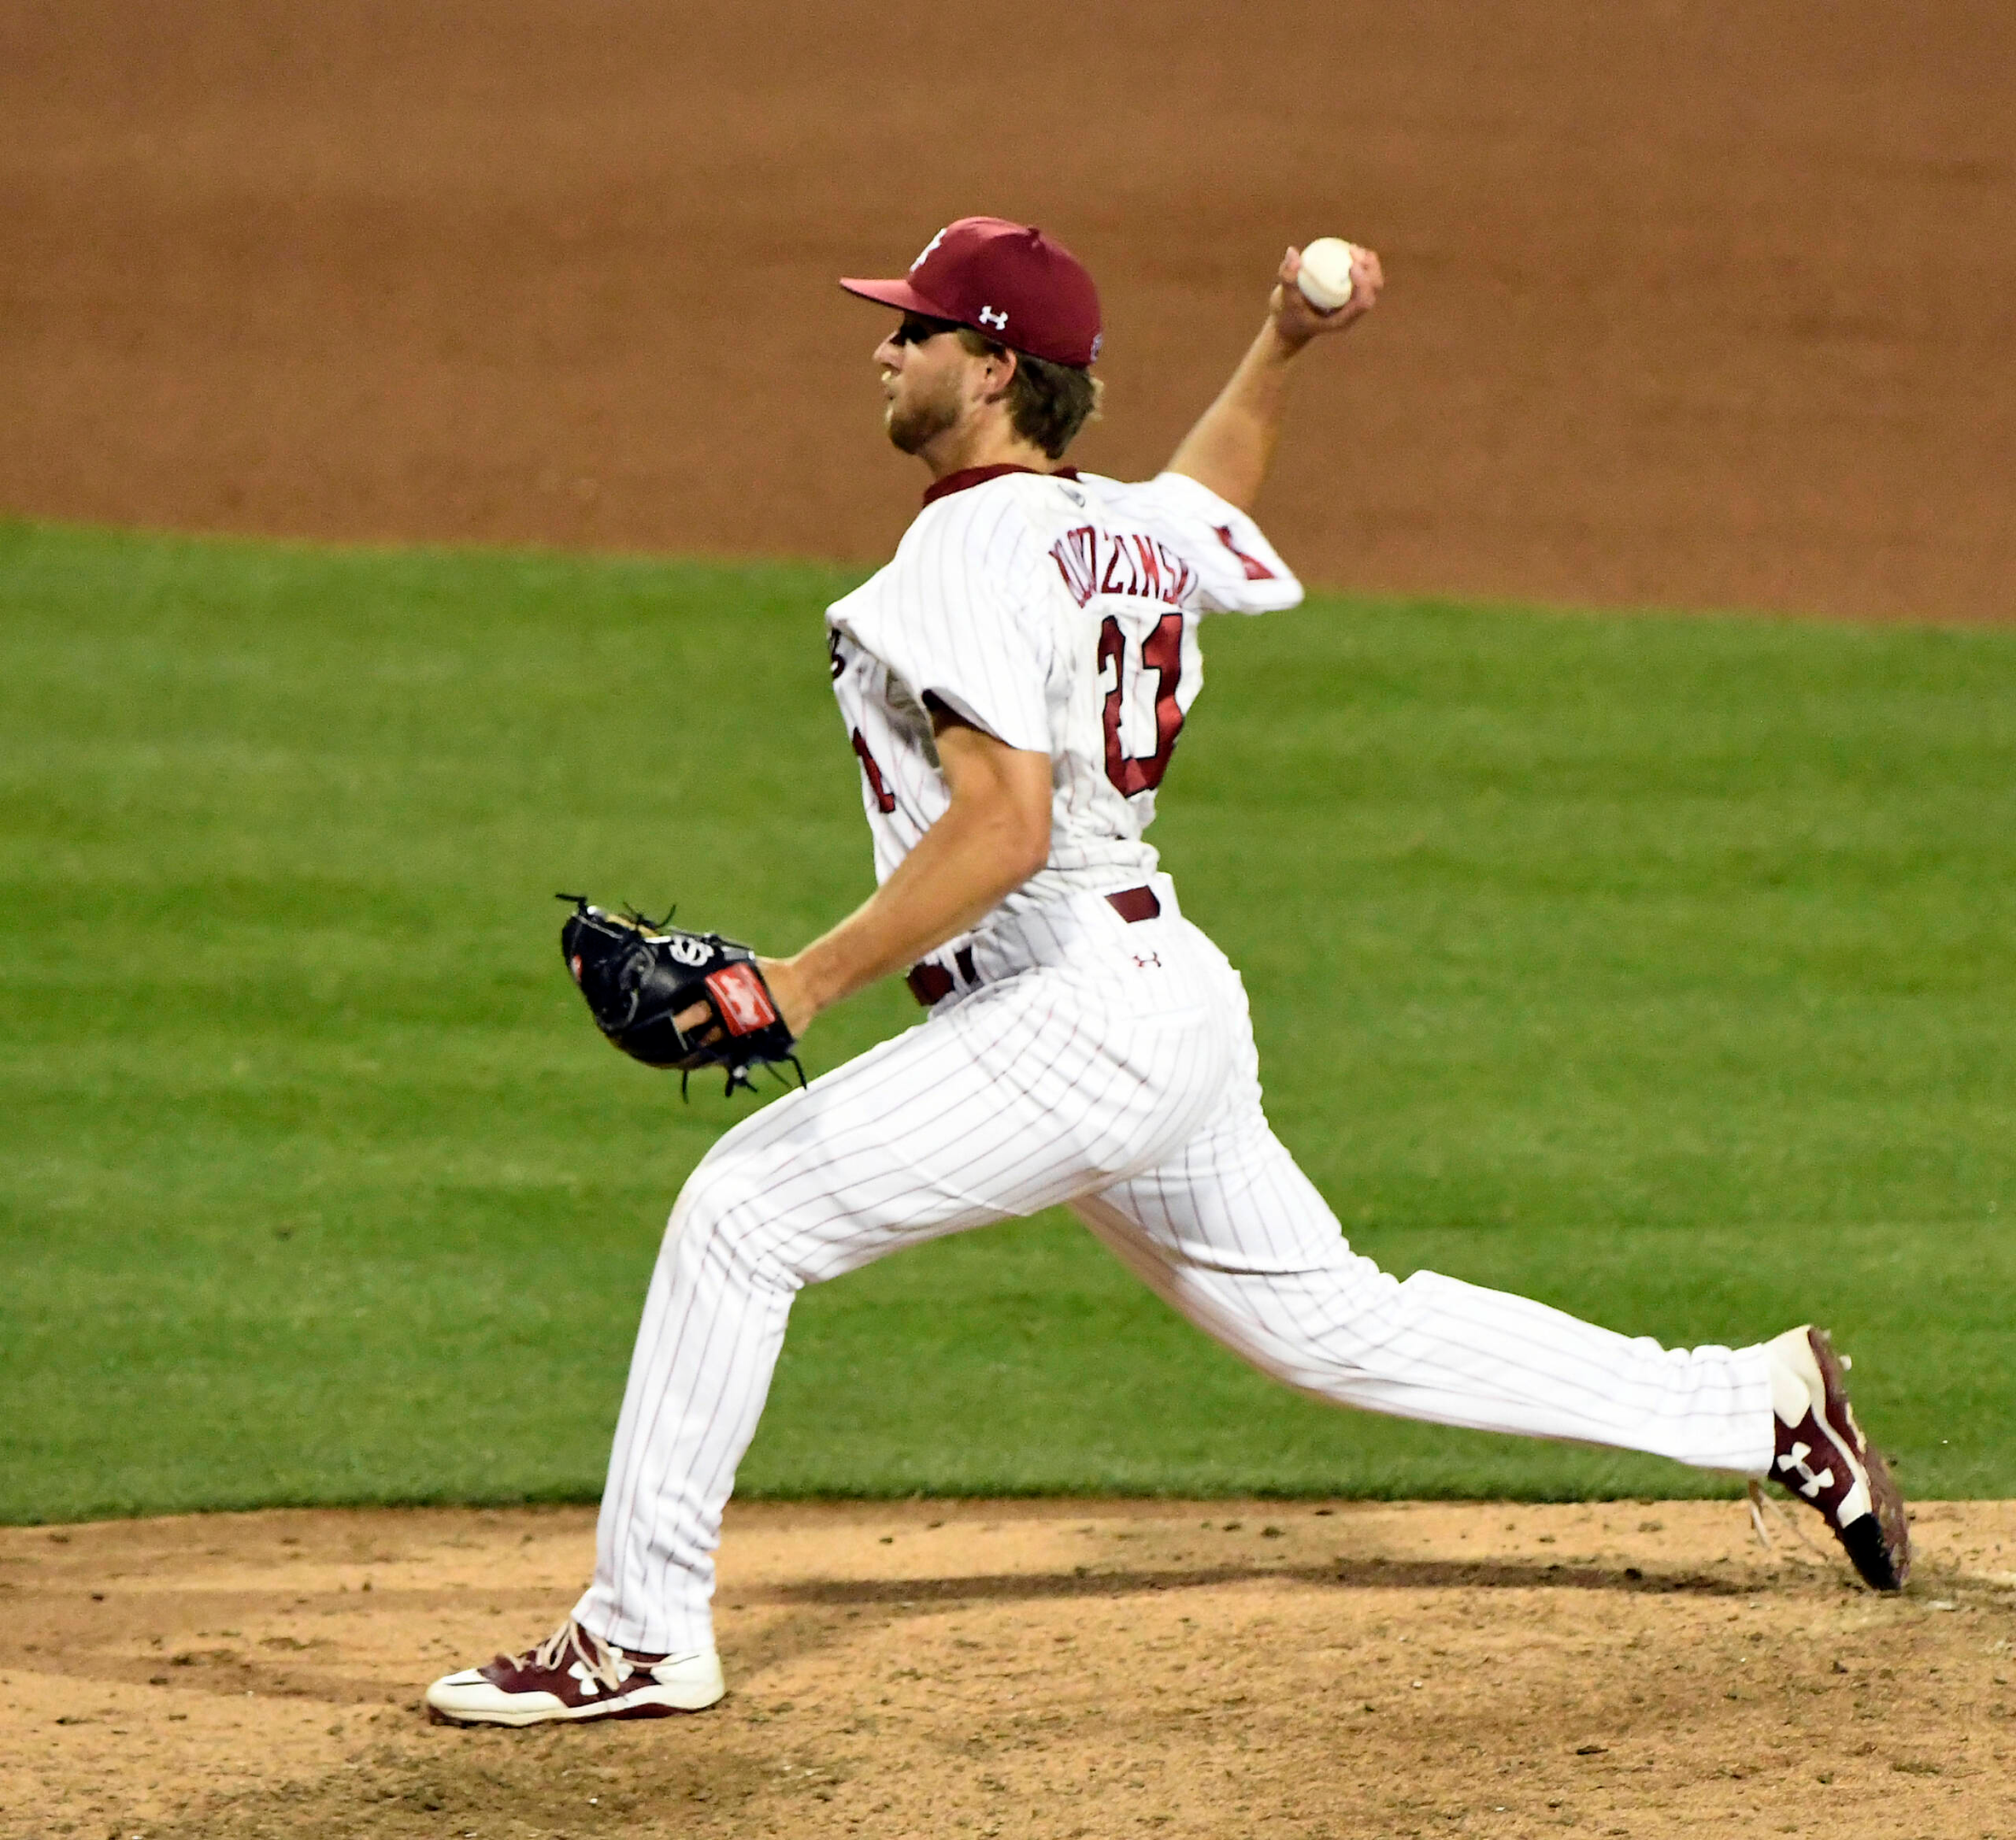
[640,978]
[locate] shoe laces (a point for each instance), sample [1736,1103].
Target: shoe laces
[608,1665]
[1758,1502]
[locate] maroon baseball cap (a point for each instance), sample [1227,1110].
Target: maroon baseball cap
[1022,289]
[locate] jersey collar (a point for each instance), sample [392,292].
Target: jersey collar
[956,482]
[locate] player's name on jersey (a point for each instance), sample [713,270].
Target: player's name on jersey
[1135,566]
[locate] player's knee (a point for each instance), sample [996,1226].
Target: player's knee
[719,1216]
[713,1201]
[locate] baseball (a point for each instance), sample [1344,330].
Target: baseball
[1325,275]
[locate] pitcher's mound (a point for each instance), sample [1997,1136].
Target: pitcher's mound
[1037,1668]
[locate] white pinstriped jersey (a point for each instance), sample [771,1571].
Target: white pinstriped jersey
[1094,1055]
[1058,612]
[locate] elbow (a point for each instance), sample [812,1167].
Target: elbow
[1000,809]
[1004,842]
[1025,849]
[1021,840]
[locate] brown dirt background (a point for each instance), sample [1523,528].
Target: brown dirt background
[1692,304]
[1054,1668]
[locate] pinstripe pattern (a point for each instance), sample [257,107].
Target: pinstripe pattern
[1099,1063]
[977,611]
[1078,1075]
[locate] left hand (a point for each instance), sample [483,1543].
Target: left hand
[1297,320]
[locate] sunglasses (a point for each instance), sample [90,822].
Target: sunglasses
[917,329]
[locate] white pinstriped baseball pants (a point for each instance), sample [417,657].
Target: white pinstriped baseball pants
[1111,1067]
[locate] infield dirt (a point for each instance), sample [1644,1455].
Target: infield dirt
[1050,1669]
[1689,304]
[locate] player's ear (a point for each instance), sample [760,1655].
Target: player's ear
[996,372]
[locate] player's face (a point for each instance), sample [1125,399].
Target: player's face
[925,370]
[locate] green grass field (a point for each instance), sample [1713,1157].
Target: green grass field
[1662,968]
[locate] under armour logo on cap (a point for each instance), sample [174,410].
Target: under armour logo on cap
[989,274]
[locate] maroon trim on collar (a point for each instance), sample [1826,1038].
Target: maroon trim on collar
[953,482]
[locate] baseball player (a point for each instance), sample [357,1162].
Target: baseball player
[1012,685]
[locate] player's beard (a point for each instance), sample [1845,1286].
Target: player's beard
[915,423]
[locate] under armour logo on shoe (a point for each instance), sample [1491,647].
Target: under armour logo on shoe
[1809,1485]
[989,317]
[586,1675]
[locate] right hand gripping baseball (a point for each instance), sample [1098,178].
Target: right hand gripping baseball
[1298,320]
[672,998]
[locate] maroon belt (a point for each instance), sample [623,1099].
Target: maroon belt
[932,984]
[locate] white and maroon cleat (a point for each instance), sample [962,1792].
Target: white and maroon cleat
[1823,1457]
[575,1675]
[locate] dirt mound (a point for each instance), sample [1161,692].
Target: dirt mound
[1048,1668]
[1691,305]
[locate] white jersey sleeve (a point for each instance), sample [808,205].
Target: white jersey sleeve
[962,621]
[1239,571]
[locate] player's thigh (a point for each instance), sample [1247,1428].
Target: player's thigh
[1013,1101]
[1232,1235]
[1232,1200]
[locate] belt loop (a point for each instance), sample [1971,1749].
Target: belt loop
[1135,904]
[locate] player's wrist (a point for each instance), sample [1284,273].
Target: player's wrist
[799,997]
[1279,344]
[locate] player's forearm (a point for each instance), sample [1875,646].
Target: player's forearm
[1232,444]
[962,868]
